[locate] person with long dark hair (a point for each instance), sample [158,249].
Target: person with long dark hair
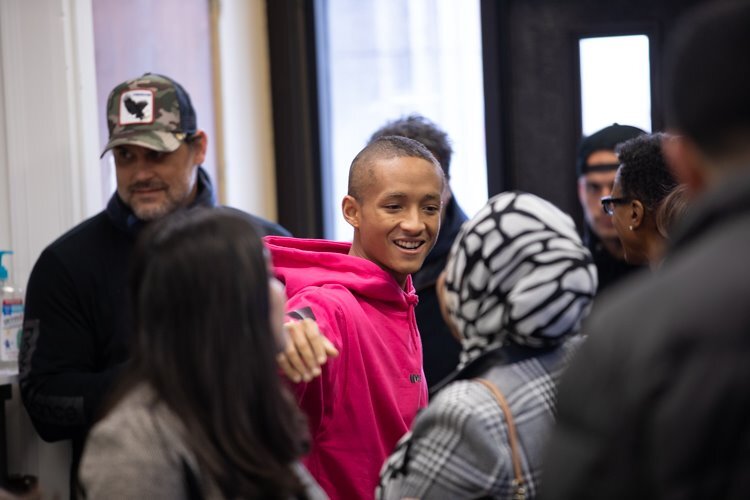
[203,412]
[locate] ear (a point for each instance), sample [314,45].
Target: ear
[200,146]
[637,213]
[352,211]
[686,162]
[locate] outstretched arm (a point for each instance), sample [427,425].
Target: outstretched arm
[307,349]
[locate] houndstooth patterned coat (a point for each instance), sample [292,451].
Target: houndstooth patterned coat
[458,446]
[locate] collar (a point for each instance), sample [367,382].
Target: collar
[123,218]
[504,355]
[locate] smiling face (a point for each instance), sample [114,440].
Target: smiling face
[154,184]
[397,216]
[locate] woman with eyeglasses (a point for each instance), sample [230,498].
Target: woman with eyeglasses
[203,412]
[642,182]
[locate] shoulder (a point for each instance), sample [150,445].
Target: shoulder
[139,427]
[91,228]
[90,236]
[633,332]
[265,227]
[333,299]
[138,416]
[92,251]
[464,407]
[331,306]
[135,447]
[455,449]
[701,288]
[531,382]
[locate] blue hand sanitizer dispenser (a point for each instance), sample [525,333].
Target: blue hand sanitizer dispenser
[11,317]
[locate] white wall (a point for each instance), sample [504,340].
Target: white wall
[49,173]
[50,177]
[49,93]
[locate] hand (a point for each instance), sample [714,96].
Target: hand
[306,350]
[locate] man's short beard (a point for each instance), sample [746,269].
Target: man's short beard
[154,213]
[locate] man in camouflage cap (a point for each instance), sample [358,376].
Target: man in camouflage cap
[78,323]
[151,111]
[156,145]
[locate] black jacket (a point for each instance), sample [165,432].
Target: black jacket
[657,402]
[77,326]
[439,349]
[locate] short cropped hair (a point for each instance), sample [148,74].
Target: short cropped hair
[420,129]
[383,148]
[644,174]
[707,77]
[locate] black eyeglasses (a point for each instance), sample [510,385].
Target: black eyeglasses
[608,203]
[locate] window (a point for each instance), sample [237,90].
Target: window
[615,82]
[383,59]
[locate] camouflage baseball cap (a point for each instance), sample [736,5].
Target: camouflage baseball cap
[152,111]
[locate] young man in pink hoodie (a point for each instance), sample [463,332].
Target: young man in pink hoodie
[362,298]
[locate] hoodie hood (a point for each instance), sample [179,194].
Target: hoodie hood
[300,263]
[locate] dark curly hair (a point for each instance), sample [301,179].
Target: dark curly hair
[420,129]
[643,173]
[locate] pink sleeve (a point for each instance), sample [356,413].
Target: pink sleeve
[316,397]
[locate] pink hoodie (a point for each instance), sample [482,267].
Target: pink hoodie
[366,399]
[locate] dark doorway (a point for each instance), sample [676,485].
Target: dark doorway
[532,84]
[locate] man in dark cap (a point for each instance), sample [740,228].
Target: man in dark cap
[596,166]
[656,403]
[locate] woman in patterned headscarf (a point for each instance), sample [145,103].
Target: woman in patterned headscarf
[517,285]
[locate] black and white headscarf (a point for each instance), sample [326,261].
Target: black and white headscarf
[518,271]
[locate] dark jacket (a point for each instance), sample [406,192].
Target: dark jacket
[77,326]
[657,402]
[440,349]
